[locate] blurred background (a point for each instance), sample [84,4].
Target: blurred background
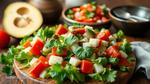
[109,3]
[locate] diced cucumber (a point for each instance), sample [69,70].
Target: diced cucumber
[74,61]
[98,68]
[55,59]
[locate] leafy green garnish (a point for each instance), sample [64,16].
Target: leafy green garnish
[69,40]
[105,10]
[57,73]
[7,59]
[108,76]
[83,53]
[89,14]
[101,60]
[73,74]
[126,47]
[124,69]
[113,61]
[46,32]
[69,12]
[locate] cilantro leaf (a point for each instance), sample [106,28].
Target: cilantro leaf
[57,73]
[110,75]
[101,60]
[113,61]
[89,14]
[83,53]
[46,32]
[126,47]
[69,40]
[73,74]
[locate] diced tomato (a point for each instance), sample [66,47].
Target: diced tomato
[27,44]
[113,51]
[76,9]
[104,19]
[78,30]
[88,20]
[100,43]
[54,52]
[99,10]
[37,47]
[87,7]
[104,35]
[96,18]
[44,60]
[79,17]
[61,30]
[123,62]
[86,67]
[41,65]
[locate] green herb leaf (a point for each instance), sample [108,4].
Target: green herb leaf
[113,61]
[101,60]
[89,14]
[124,69]
[126,47]
[73,74]
[69,40]
[57,73]
[83,53]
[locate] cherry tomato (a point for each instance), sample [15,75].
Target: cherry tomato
[4,39]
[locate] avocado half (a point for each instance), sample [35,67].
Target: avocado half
[21,19]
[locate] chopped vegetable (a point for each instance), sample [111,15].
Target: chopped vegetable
[86,67]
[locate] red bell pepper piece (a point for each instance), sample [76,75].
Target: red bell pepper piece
[37,47]
[79,31]
[61,30]
[104,35]
[39,66]
[86,67]
[27,44]
[54,52]
[113,51]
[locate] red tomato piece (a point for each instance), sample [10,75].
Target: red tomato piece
[104,19]
[37,47]
[4,39]
[113,51]
[54,52]
[79,17]
[123,62]
[86,67]
[76,9]
[78,30]
[61,30]
[99,11]
[40,66]
[27,44]
[88,20]
[104,35]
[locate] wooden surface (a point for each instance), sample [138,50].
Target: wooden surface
[138,78]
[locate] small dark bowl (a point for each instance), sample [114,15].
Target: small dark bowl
[94,25]
[132,28]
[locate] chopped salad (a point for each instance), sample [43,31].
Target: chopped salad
[89,13]
[75,53]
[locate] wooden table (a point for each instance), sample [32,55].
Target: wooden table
[138,78]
